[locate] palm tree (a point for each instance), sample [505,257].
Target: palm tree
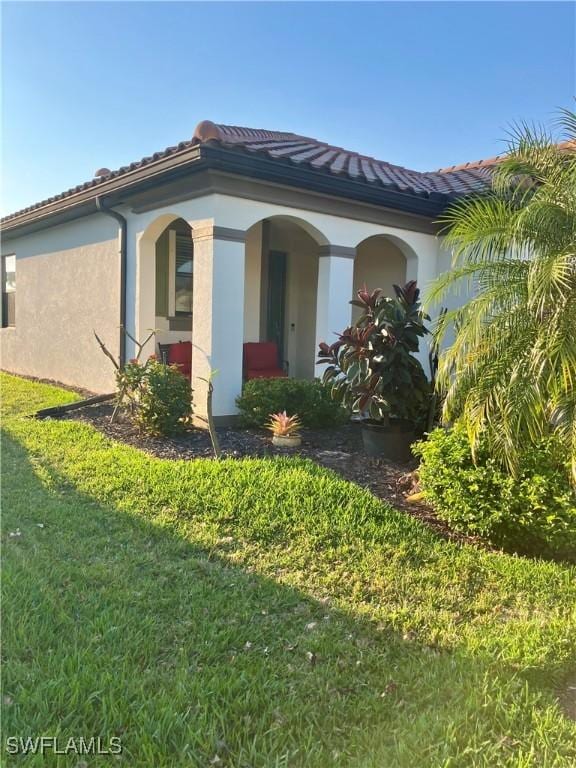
[510,374]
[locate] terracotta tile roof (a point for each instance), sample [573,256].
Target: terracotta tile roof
[472,165]
[299,151]
[302,150]
[458,180]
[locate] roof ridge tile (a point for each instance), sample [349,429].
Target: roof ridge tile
[302,150]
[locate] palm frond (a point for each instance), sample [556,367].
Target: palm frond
[510,371]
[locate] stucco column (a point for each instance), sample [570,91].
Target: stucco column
[218,317]
[144,307]
[426,269]
[335,287]
[133,297]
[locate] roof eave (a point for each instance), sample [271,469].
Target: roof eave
[211,155]
[288,173]
[113,190]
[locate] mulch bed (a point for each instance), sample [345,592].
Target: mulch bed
[567,697]
[338,449]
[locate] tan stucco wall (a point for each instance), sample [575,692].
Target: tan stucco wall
[378,264]
[165,336]
[301,289]
[301,286]
[67,285]
[252,283]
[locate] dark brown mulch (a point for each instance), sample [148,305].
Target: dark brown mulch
[339,449]
[567,697]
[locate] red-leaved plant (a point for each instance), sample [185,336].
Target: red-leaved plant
[371,367]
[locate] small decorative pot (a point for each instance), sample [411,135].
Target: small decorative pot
[286,441]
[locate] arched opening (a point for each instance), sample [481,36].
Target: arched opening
[165,277]
[174,259]
[281,281]
[380,263]
[383,261]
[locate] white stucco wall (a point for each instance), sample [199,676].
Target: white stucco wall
[456,297]
[67,286]
[333,309]
[420,249]
[218,330]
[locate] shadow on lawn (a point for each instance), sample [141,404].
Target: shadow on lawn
[118,626]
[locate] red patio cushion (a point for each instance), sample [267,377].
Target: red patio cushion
[260,355]
[180,354]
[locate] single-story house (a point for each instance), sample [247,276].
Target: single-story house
[237,235]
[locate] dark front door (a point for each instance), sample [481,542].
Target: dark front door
[276,300]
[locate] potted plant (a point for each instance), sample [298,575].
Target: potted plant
[372,369]
[285,430]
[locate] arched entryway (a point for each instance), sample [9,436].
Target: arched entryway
[383,261]
[174,259]
[165,281]
[281,282]
[380,263]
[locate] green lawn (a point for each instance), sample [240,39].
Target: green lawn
[261,613]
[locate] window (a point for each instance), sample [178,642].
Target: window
[184,269]
[8,290]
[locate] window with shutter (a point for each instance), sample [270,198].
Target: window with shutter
[184,273]
[162,276]
[8,290]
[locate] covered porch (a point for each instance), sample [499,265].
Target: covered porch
[280,280]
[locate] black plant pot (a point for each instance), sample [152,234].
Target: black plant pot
[390,441]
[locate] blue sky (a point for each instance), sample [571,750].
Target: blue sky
[425,85]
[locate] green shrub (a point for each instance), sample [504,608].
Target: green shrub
[534,513]
[311,400]
[158,395]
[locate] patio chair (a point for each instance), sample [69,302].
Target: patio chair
[261,361]
[180,354]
